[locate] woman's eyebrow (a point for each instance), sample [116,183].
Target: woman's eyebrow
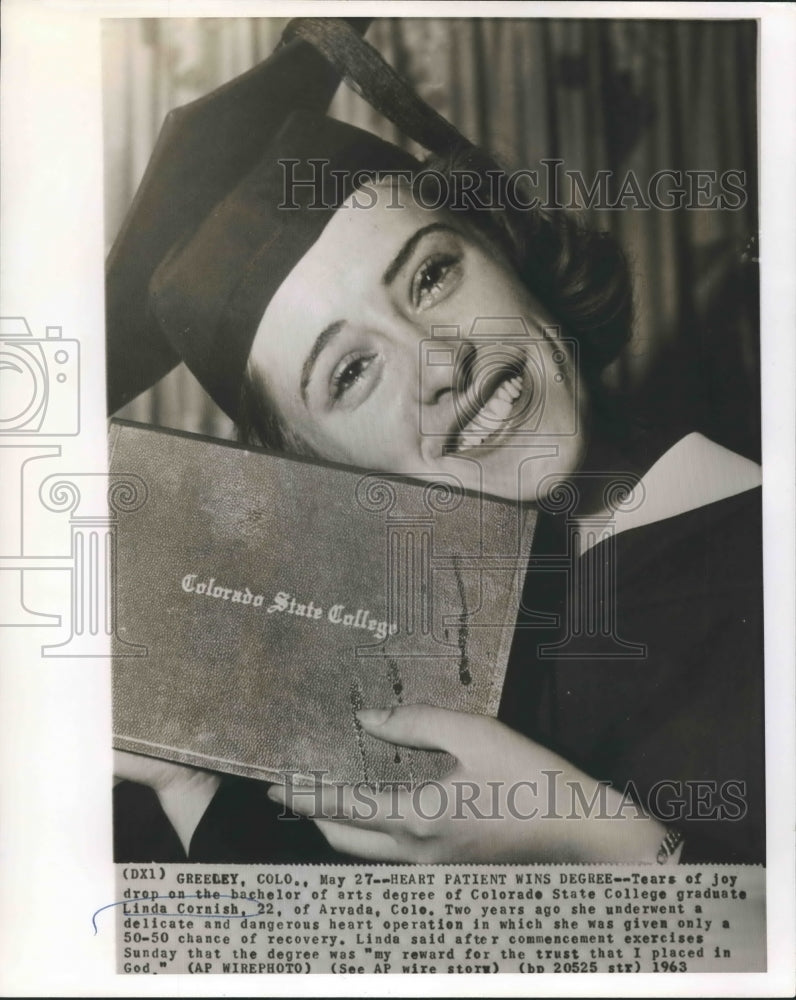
[321,341]
[330,332]
[407,249]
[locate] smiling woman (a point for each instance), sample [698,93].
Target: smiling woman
[453,267]
[383,328]
[361,392]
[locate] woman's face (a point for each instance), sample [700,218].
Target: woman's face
[404,342]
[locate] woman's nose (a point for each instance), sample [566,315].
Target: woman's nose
[432,364]
[446,365]
[422,362]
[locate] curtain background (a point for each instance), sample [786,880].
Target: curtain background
[598,94]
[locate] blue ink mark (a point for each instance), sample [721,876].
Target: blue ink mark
[152,899]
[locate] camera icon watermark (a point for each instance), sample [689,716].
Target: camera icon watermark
[39,381]
[503,380]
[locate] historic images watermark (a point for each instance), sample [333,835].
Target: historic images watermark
[519,388]
[500,375]
[314,184]
[40,381]
[547,797]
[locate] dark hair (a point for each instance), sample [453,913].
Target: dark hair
[580,275]
[258,421]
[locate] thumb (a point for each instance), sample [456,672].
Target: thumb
[426,727]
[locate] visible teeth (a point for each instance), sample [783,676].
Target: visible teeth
[498,407]
[472,440]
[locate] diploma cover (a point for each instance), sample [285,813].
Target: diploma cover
[261,600]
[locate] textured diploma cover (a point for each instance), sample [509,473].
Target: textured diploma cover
[260,601]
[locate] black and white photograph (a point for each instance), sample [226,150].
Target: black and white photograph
[427,578]
[341,299]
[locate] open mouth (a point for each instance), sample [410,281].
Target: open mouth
[507,400]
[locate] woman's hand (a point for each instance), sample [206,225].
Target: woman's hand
[151,771]
[507,800]
[184,792]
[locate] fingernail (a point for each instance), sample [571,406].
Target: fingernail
[373,716]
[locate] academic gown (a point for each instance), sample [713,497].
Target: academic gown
[679,728]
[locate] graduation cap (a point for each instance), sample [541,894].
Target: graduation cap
[210,235]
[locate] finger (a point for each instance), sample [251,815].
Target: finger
[132,766]
[353,804]
[428,728]
[160,775]
[369,844]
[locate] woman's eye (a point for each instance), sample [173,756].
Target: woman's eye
[434,278]
[348,373]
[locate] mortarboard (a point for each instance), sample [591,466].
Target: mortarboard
[206,244]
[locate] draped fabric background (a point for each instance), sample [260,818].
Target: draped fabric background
[598,94]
